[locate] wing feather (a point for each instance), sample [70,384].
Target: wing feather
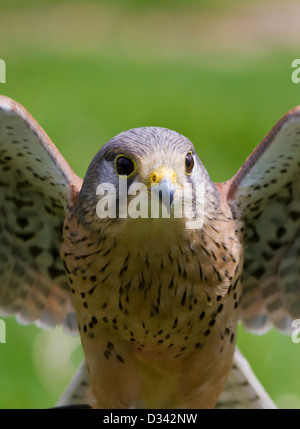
[265,194]
[243,390]
[36,188]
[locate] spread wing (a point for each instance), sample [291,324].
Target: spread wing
[36,188]
[265,193]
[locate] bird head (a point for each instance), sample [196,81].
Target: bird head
[146,173]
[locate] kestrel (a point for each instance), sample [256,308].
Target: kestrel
[156,303]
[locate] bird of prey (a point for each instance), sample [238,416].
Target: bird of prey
[156,298]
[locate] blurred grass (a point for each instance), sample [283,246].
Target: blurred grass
[134,4]
[225,103]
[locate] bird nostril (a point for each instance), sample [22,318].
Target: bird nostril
[153,177]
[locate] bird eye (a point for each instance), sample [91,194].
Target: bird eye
[124,166]
[189,163]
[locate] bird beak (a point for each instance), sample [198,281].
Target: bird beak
[162,185]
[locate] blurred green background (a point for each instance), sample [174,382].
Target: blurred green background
[217,72]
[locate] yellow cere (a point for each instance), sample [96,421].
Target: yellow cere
[163,171]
